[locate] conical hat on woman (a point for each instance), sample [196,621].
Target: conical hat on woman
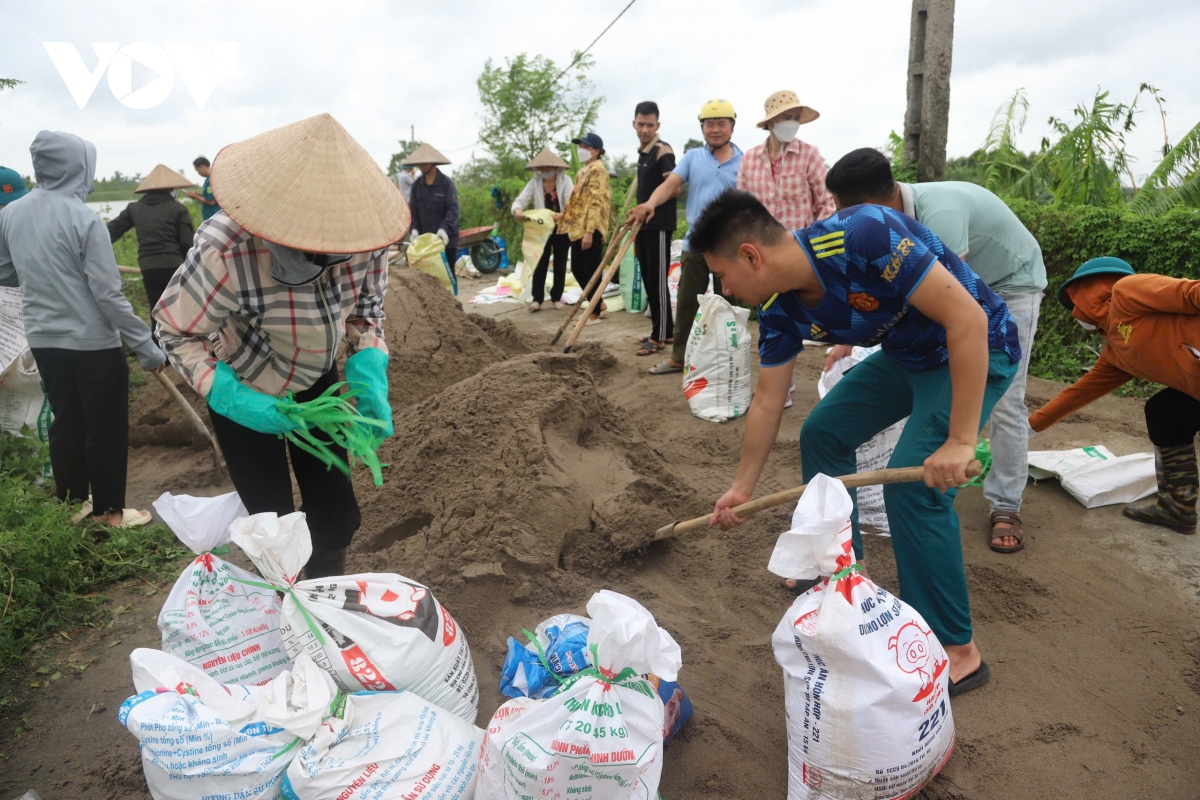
[425,154]
[311,187]
[163,177]
[547,159]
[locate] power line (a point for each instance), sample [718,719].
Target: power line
[589,47]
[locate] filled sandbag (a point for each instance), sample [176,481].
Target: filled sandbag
[374,631]
[716,367]
[865,681]
[215,617]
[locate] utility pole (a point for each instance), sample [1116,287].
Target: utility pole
[930,46]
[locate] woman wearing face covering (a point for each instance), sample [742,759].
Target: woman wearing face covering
[1151,327]
[550,188]
[785,174]
[272,287]
[585,219]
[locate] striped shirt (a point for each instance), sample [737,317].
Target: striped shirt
[223,305]
[792,188]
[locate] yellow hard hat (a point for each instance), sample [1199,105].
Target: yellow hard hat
[717,108]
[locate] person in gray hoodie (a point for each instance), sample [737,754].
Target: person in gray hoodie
[75,319]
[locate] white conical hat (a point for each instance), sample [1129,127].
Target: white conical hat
[547,159]
[311,187]
[163,177]
[425,154]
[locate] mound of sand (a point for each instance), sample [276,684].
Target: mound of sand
[518,470]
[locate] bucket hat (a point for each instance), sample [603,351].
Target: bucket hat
[1104,265]
[163,177]
[786,101]
[309,186]
[425,154]
[547,159]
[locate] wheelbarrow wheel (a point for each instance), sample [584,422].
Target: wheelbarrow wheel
[486,256]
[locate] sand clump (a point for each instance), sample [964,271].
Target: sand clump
[517,471]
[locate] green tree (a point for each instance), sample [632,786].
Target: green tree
[692,144]
[1001,163]
[397,160]
[902,170]
[1176,179]
[527,107]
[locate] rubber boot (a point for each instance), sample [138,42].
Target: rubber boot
[1175,505]
[325,563]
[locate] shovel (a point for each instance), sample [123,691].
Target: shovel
[876,477]
[197,424]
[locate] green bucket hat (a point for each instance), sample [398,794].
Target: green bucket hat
[12,186]
[1104,265]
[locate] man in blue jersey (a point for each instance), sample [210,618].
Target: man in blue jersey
[870,275]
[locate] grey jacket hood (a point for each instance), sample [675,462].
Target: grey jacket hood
[63,162]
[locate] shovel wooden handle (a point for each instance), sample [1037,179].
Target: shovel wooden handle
[876,477]
[194,418]
[612,246]
[598,294]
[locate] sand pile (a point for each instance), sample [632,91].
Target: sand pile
[432,342]
[517,471]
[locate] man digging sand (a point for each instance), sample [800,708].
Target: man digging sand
[865,276]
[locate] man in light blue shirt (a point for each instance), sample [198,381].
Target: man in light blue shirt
[983,231]
[708,171]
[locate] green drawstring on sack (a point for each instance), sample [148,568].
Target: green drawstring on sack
[627,677]
[318,634]
[334,415]
[983,454]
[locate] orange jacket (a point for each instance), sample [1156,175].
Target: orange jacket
[1152,324]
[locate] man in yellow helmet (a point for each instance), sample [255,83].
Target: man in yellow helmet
[708,171]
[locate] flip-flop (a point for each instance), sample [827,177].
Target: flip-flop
[133,518]
[1017,531]
[649,349]
[596,320]
[535,307]
[665,368]
[973,681]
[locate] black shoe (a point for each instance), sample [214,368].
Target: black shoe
[325,563]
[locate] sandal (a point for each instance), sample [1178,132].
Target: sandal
[84,512]
[665,368]
[649,348]
[798,587]
[559,305]
[596,320]
[535,307]
[1017,531]
[973,681]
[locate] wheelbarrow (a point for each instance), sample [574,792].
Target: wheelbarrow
[485,253]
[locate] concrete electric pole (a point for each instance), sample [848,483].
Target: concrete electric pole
[930,46]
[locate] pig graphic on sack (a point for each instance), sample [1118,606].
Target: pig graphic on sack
[913,652]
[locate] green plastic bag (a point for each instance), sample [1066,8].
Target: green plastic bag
[632,291]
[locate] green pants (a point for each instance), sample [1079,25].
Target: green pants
[873,395]
[693,281]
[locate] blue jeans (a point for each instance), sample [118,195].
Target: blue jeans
[870,397]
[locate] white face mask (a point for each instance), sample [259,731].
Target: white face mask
[585,155]
[545,175]
[1087,326]
[786,130]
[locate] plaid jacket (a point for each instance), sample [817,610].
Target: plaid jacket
[795,192]
[223,305]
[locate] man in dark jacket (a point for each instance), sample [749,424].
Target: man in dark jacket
[434,200]
[164,229]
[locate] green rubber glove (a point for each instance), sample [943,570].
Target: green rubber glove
[366,372]
[246,406]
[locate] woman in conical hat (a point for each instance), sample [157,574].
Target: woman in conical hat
[550,187]
[434,199]
[294,265]
[164,228]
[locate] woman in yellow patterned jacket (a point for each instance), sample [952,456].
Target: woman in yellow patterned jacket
[586,217]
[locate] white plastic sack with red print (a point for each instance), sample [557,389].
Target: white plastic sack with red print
[375,631]
[215,617]
[716,364]
[601,736]
[865,680]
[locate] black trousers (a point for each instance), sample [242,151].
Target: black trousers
[654,255]
[89,437]
[559,244]
[258,467]
[155,281]
[585,262]
[1172,418]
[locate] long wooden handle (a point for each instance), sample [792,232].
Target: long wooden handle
[876,477]
[194,418]
[128,270]
[616,239]
[598,295]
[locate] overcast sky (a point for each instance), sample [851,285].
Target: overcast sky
[381,67]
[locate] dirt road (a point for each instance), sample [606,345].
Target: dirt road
[521,482]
